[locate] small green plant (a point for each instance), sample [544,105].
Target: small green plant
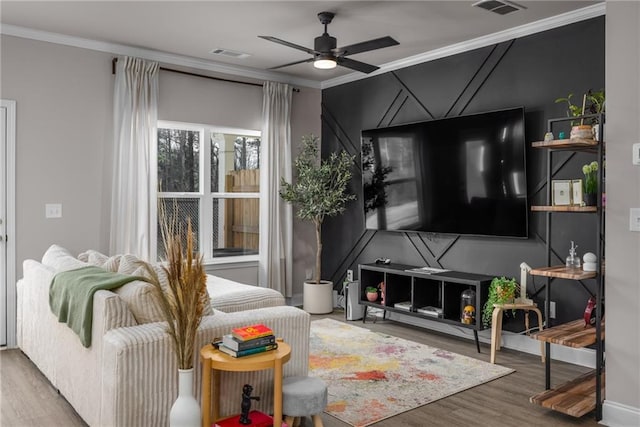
[501,291]
[590,183]
[597,101]
[572,109]
[371,289]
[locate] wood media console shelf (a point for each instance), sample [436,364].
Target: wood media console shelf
[433,296]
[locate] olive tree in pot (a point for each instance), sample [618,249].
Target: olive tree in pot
[319,191]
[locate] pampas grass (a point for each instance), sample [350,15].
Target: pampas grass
[183,299]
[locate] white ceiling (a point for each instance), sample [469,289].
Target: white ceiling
[193,28]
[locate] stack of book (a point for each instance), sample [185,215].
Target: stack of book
[248,340]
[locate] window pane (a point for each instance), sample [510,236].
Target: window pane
[184,208]
[231,155]
[235,227]
[247,152]
[178,160]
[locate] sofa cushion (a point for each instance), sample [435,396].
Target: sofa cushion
[60,259]
[142,301]
[229,296]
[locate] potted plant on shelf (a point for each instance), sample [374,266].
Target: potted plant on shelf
[372,293]
[590,183]
[597,101]
[578,128]
[319,191]
[501,291]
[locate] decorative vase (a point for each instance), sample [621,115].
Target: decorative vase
[372,296]
[590,199]
[185,411]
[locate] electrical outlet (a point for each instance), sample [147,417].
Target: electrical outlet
[53,210]
[350,275]
[552,309]
[634,219]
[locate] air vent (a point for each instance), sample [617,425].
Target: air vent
[229,53]
[501,7]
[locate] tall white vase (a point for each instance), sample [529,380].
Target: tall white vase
[185,411]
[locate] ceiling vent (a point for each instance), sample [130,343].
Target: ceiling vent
[501,7]
[229,53]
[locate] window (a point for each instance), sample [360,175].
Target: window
[211,175]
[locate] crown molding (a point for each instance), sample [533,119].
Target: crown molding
[578,15]
[154,55]
[588,12]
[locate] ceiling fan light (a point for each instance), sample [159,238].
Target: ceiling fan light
[325,63]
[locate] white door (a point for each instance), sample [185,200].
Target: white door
[7,227]
[3,219]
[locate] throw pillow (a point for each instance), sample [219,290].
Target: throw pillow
[60,259]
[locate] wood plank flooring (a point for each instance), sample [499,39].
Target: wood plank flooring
[28,399]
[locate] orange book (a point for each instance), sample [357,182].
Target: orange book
[247,333]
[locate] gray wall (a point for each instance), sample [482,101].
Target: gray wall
[64,125]
[532,72]
[623,192]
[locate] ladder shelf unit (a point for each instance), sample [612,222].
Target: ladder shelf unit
[585,393]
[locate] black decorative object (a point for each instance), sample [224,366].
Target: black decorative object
[245,407]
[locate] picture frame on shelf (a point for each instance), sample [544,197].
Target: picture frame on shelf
[561,192]
[576,192]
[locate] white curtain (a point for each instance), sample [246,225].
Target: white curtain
[276,223]
[135,115]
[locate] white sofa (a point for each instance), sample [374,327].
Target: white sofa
[128,376]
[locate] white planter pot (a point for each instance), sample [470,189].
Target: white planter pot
[318,298]
[185,411]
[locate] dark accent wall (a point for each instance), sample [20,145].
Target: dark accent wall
[531,72]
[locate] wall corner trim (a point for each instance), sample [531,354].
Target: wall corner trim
[550,23]
[616,414]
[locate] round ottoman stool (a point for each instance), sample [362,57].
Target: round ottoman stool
[302,396]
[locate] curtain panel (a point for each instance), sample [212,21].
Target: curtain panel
[135,116]
[276,221]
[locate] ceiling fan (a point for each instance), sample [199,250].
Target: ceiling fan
[325,53]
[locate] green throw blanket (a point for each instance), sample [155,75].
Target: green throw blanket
[71,296]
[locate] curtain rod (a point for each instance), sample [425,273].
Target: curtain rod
[187,73]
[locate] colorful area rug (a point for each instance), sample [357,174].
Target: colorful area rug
[373,376]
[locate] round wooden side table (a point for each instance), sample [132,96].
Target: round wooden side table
[214,361]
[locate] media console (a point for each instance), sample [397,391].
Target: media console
[433,296]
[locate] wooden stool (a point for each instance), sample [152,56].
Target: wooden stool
[496,324]
[302,396]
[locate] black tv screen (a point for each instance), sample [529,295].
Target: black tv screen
[460,175]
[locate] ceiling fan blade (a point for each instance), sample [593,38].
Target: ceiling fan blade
[366,46]
[292,63]
[289,44]
[356,65]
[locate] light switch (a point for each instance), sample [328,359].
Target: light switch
[53,210]
[636,154]
[634,219]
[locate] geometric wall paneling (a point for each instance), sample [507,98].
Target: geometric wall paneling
[437,84]
[481,75]
[531,72]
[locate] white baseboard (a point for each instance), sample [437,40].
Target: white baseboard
[619,415]
[577,356]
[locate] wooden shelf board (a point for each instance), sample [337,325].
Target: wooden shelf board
[575,398]
[572,334]
[564,208]
[562,272]
[566,143]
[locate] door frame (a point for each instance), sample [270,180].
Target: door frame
[10,225]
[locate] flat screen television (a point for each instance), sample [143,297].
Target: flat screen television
[462,175]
